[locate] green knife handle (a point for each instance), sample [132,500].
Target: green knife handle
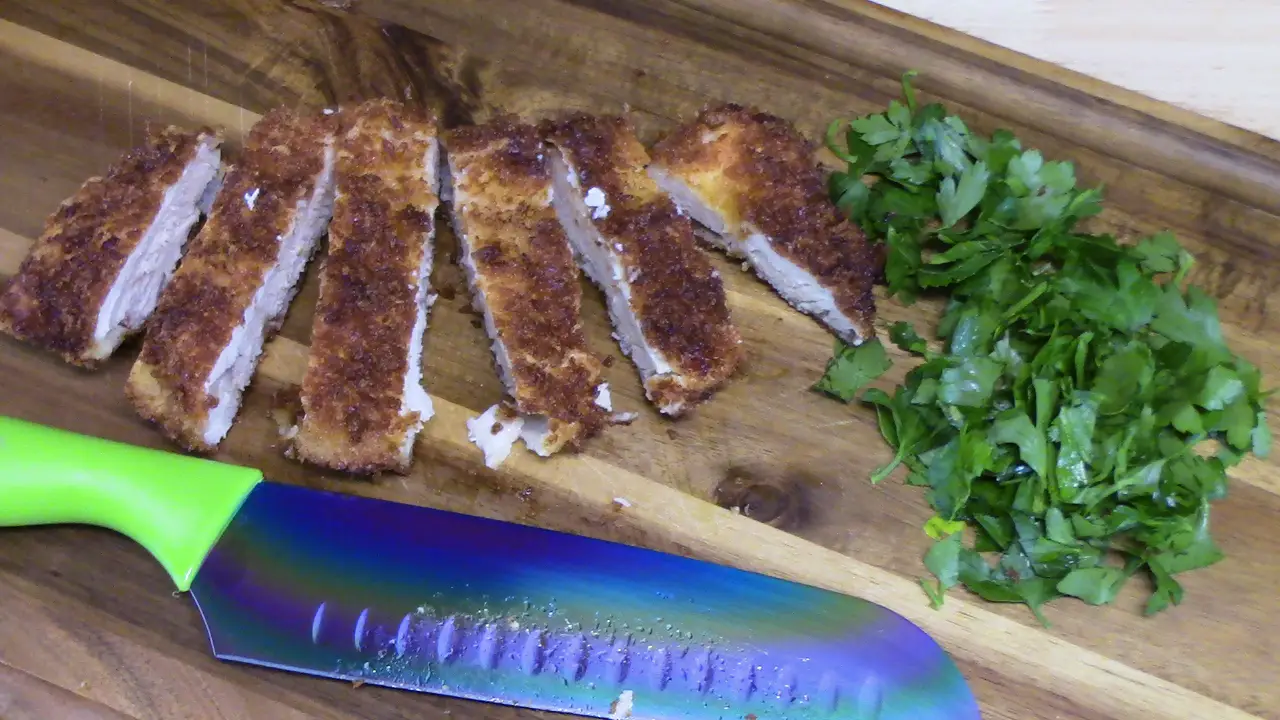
[176,506]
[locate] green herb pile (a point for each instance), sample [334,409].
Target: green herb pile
[1084,408]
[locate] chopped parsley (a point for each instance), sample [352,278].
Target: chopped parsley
[1084,408]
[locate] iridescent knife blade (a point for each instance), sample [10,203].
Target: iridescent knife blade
[393,594]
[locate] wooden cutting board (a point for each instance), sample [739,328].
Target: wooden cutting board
[769,476]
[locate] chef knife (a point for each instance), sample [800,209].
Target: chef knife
[353,588]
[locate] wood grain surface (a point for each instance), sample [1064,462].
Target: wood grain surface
[768,476]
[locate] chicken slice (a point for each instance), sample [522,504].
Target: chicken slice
[666,301]
[233,288]
[362,398]
[751,179]
[523,279]
[93,277]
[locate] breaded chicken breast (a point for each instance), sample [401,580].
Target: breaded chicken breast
[524,280]
[94,275]
[752,180]
[362,398]
[666,302]
[231,291]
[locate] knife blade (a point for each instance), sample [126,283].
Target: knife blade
[358,589]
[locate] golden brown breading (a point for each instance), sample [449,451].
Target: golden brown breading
[673,291]
[54,300]
[758,172]
[525,275]
[225,266]
[355,413]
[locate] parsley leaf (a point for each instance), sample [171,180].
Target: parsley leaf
[938,527]
[943,560]
[906,427]
[1168,590]
[1261,436]
[877,129]
[1096,586]
[1015,427]
[852,367]
[1077,379]
[1192,319]
[1161,253]
[905,337]
[958,199]
[969,383]
[1074,433]
[1221,387]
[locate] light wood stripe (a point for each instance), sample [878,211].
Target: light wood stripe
[26,44]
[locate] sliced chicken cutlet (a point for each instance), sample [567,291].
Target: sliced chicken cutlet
[362,398]
[752,180]
[524,280]
[232,290]
[93,277]
[666,302]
